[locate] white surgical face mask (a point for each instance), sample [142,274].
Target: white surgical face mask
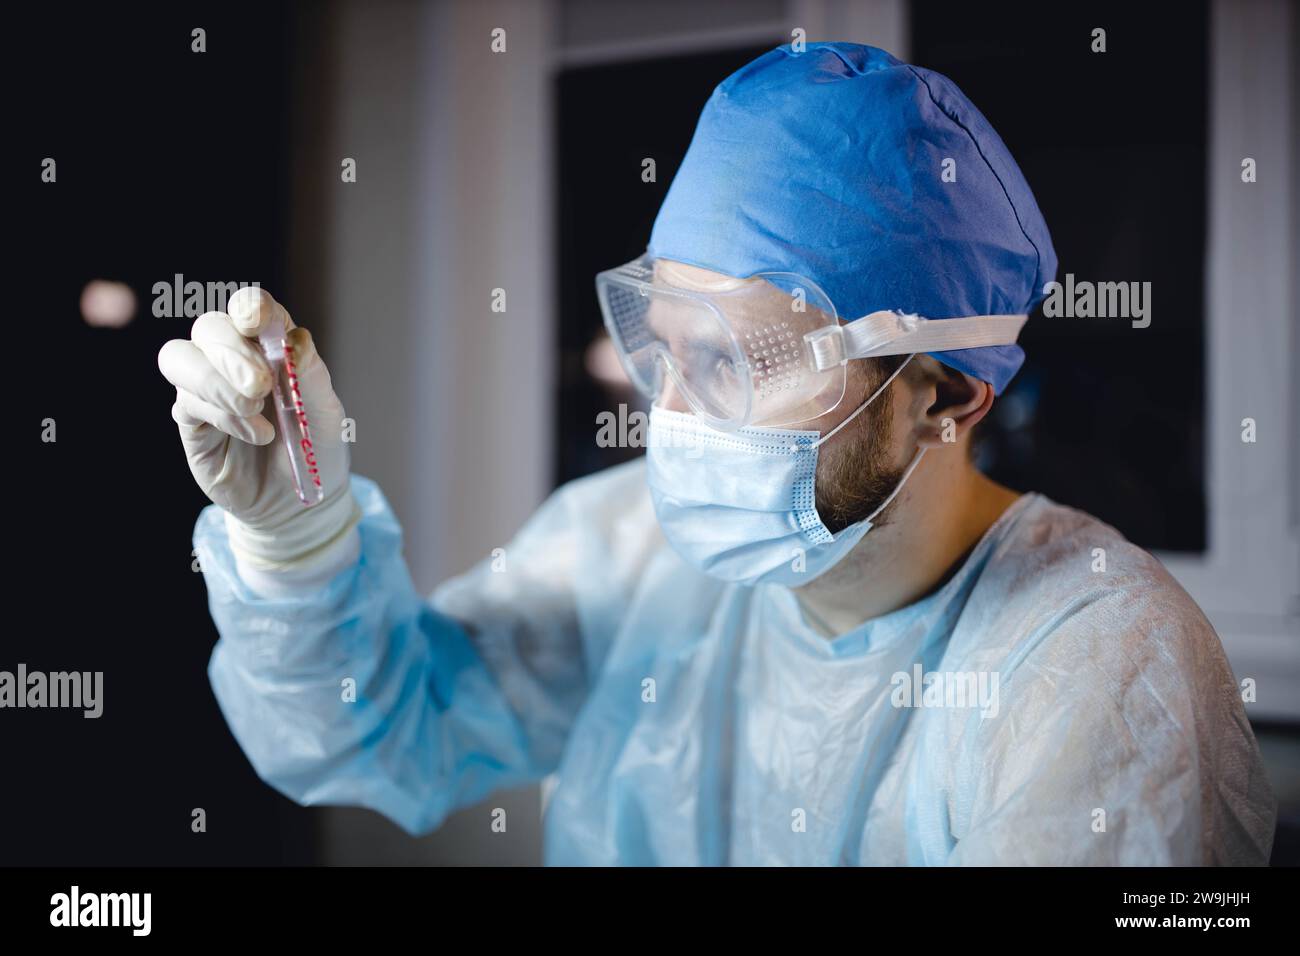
[742,506]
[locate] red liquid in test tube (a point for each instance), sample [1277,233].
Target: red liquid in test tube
[291,412]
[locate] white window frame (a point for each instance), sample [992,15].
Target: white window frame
[1248,579]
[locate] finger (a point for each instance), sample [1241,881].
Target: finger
[252,310]
[199,438]
[184,418]
[187,368]
[190,409]
[235,358]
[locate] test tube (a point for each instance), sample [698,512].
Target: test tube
[290,411]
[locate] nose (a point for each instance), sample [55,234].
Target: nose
[670,396]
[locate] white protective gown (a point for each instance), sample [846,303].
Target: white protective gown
[695,722]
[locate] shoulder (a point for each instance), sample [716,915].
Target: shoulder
[1044,535]
[1091,632]
[1060,566]
[618,483]
[1113,691]
[1073,609]
[611,506]
[608,521]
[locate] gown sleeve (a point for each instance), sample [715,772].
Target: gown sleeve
[360,691]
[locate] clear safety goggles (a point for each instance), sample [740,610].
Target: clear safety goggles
[765,350]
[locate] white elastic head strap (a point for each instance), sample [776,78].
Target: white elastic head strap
[892,333]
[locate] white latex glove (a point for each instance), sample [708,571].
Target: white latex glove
[229,429]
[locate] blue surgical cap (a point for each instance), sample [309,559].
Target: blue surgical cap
[829,163]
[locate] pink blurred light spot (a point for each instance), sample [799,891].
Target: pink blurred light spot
[107,305]
[603,365]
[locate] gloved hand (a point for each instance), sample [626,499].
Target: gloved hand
[229,430]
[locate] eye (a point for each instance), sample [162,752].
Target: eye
[716,362]
[705,355]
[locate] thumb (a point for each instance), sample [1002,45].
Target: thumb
[311,371]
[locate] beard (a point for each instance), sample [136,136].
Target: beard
[858,476]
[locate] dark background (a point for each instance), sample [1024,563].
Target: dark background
[167,163]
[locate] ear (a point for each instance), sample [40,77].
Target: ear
[957,403]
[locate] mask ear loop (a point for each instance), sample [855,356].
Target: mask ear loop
[916,459]
[858,411]
[920,453]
